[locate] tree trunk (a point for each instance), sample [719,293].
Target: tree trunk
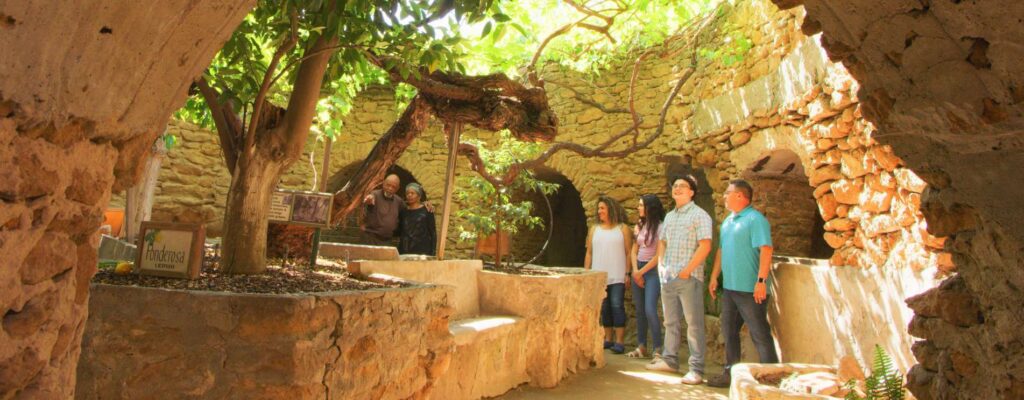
[244,245]
[139,201]
[276,143]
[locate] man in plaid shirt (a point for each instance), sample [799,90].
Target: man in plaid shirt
[685,242]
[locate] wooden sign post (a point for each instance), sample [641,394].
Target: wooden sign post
[170,250]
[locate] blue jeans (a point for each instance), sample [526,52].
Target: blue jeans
[646,301]
[739,308]
[613,309]
[684,298]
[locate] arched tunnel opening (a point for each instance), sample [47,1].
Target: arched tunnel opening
[568,230]
[781,192]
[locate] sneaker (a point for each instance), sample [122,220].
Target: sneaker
[607,345]
[720,381]
[660,365]
[692,378]
[618,348]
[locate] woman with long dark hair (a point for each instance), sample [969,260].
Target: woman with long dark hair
[646,285]
[608,245]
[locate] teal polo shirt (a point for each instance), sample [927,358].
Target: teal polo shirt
[742,235]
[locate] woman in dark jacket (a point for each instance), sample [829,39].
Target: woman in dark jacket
[417,234]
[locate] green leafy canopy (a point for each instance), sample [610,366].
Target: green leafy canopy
[407,32]
[485,206]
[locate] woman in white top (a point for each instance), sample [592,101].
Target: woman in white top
[608,246]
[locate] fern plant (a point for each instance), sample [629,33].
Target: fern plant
[884,383]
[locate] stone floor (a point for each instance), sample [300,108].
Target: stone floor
[623,378]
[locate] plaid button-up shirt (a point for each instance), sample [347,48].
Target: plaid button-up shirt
[682,229]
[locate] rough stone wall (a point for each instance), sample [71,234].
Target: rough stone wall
[870,203]
[84,91]
[786,118]
[376,344]
[191,196]
[942,81]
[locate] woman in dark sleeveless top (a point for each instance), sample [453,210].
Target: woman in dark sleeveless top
[417,232]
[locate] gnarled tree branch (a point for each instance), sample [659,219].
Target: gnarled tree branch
[229,127]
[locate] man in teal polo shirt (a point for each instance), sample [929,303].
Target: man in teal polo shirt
[744,260]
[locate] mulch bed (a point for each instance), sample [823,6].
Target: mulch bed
[289,279]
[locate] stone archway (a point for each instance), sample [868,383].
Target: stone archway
[941,81]
[568,231]
[348,231]
[781,192]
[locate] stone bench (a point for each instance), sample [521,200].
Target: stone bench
[493,352]
[490,358]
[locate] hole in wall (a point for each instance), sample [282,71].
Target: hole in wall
[782,194]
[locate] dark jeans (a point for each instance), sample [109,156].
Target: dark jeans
[613,311]
[739,308]
[646,301]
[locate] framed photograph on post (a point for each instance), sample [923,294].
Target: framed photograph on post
[170,250]
[311,208]
[301,208]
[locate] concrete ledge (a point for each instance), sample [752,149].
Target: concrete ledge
[461,275]
[745,384]
[349,252]
[466,330]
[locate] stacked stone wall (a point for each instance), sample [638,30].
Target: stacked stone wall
[847,190]
[942,82]
[193,183]
[84,90]
[785,94]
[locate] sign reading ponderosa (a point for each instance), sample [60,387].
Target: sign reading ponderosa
[170,250]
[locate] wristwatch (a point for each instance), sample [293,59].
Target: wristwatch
[762,280]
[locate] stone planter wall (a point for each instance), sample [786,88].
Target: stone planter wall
[821,313]
[561,315]
[745,384]
[155,343]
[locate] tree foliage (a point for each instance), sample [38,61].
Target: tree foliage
[884,383]
[410,34]
[485,206]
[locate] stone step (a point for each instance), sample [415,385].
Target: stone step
[349,252]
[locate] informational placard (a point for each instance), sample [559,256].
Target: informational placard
[301,208]
[281,207]
[170,250]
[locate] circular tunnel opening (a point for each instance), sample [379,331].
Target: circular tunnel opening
[781,192]
[568,231]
